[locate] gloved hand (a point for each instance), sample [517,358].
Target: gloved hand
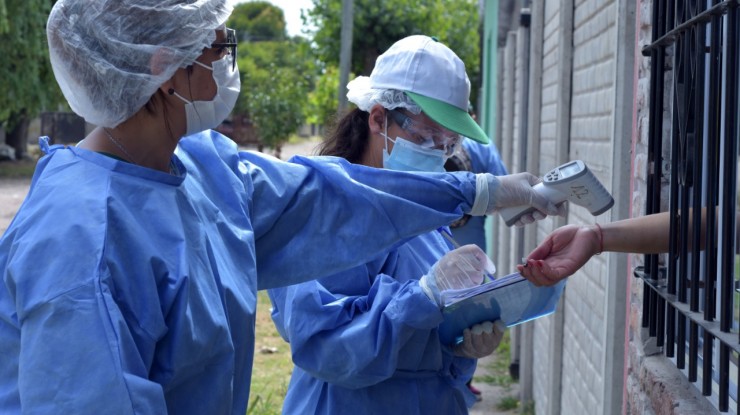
[460,268]
[496,192]
[480,340]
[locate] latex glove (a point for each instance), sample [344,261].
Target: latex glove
[480,340]
[496,192]
[460,268]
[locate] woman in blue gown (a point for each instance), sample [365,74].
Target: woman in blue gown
[366,338]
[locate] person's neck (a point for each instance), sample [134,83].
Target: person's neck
[373,154]
[143,140]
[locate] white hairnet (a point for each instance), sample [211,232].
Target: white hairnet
[361,94]
[110,56]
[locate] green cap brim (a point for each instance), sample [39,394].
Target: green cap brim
[450,117]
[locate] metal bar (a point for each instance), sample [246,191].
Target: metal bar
[657,56]
[710,271]
[660,322]
[670,341]
[703,17]
[698,41]
[670,332]
[724,378]
[683,107]
[693,350]
[729,165]
[713,327]
[713,162]
[706,374]
[697,59]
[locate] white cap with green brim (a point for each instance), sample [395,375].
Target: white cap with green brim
[434,77]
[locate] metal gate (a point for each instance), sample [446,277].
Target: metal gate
[690,303]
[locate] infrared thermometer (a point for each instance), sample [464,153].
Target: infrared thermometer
[572,182]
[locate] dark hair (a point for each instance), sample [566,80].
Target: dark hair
[348,138]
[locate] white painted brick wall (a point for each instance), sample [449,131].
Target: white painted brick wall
[591,118]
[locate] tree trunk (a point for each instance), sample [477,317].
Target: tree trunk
[17,137]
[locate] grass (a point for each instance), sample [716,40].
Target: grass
[17,169]
[527,409]
[272,364]
[499,368]
[507,403]
[497,374]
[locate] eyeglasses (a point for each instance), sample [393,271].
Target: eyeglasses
[426,136]
[231,43]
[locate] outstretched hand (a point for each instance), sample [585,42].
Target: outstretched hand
[559,256]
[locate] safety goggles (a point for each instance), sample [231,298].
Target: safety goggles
[230,44]
[424,135]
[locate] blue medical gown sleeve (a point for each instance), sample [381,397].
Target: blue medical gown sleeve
[484,158]
[54,349]
[317,216]
[355,341]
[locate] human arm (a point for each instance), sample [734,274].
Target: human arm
[76,355]
[568,248]
[358,211]
[355,331]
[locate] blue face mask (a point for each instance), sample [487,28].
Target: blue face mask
[407,156]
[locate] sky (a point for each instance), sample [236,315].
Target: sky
[291,10]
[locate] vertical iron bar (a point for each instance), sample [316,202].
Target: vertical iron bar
[729,166]
[686,135]
[681,342]
[660,322]
[697,154]
[693,231]
[654,150]
[724,377]
[670,341]
[710,271]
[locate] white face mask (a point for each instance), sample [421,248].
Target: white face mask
[204,115]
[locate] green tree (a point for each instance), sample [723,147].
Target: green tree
[380,23]
[26,79]
[258,21]
[277,77]
[277,73]
[323,99]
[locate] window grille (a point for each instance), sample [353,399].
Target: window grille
[690,303]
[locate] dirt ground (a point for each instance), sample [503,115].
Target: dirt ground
[13,191]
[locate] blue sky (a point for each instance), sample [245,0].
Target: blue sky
[291,9]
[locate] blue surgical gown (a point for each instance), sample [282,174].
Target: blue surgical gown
[365,341]
[128,290]
[484,158]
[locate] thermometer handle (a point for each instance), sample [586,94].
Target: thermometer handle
[512,214]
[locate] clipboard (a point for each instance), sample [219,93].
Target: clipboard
[511,299]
